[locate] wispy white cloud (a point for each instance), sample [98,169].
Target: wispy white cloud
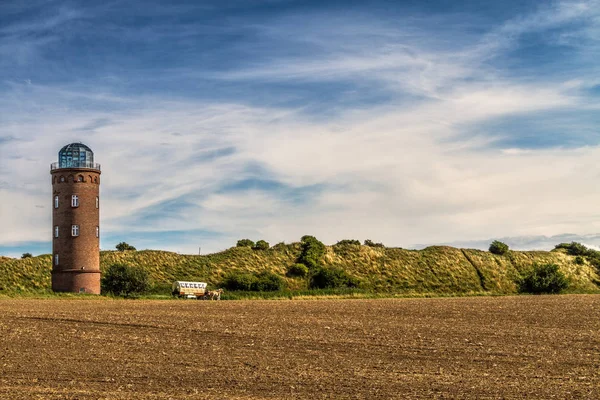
[399,171]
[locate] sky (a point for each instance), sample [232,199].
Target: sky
[405,122]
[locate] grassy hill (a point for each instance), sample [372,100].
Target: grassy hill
[434,270]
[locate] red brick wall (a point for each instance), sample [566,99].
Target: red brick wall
[79,257]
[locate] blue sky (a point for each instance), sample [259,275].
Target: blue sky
[408,123]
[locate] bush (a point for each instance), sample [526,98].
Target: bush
[312,252]
[267,282]
[593,258]
[245,243]
[345,242]
[26,255]
[300,270]
[331,278]
[125,280]
[261,245]
[579,260]
[279,246]
[124,246]
[574,248]
[497,247]
[239,281]
[370,243]
[261,282]
[546,278]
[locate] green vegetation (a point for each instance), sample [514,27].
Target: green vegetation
[264,281]
[125,280]
[497,247]
[376,271]
[245,243]
[261,245]
[573,248]
[312,252]
[26,255]
[546,278]
[347,242]
[581,251]
[370,243]
[298,270]
[331,278]
[124,247]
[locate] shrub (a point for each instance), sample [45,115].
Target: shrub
[330,278]
[345,242]
[262,282]
[594,258]
[239,281]
[546,278]
[312,251]
[125,280]
[370,243]
[579,260]
[124,246]
[245,243]
[261,245]
[497,247]
[574,248]
[26,255]
[267,282]
[279,246]
[300,270]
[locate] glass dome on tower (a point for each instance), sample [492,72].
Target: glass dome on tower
[76,155]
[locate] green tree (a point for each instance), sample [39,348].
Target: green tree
[125,280]
[497,247]
[371,243]
[574,248]
[262,282]
[330,278]
[312,251]
[546,278]
[26,255]
[345,242]
[298,269]
[267,282]
[261,245]
[124,246]
[245,243]
[239,281]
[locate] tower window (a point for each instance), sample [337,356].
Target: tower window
[56,231]
[74,201]
[97,231]
[56,259]
[75,230]
[80,178]
[62,178]
[97,202]
[55,201]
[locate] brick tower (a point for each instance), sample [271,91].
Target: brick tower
[75,221]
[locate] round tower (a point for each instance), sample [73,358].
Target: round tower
[75,221]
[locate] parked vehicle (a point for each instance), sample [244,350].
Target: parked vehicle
[189,290]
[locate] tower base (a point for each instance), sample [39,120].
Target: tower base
[76,281]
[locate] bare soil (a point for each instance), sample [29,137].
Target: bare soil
[500,347]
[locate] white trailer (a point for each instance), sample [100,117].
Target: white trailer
[189,290]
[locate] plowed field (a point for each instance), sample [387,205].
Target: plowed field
[503,347]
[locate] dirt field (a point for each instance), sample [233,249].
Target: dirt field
[503,347]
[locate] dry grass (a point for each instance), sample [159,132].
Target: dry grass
[440,269]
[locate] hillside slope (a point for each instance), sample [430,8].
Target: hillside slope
[438,269]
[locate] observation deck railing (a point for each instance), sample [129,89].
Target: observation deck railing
[75,164]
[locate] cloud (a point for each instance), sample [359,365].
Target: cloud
[422,164]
